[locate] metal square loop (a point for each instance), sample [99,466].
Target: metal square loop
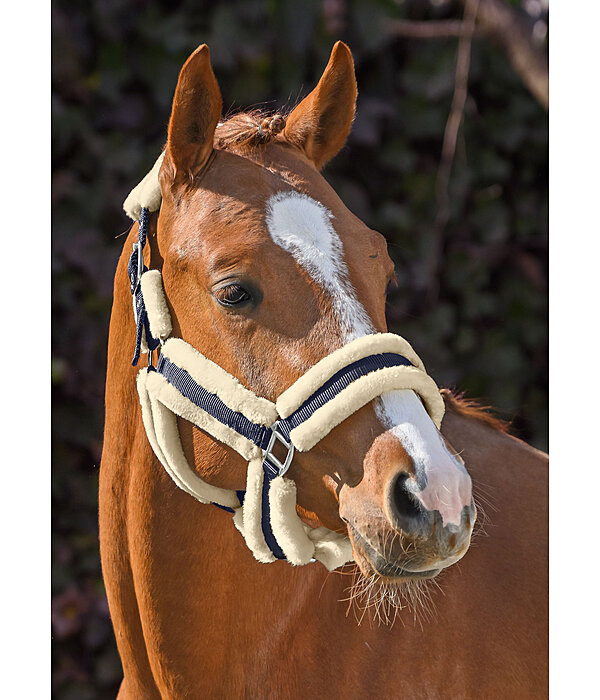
[268,453]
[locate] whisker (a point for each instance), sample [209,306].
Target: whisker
[380,602]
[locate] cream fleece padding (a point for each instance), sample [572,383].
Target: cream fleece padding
[148,421]
[155,301]
[163,435]
[331,548]
[286,525]
[160,390]
[217,381]
[144,342]
[252,512]
[238,520]
[359,393]
[167,435]
[146,194]
[293,397]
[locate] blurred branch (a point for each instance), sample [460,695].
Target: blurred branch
[508,26]
[430,29]
[461,82]
[513,31]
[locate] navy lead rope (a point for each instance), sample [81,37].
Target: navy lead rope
[135,270]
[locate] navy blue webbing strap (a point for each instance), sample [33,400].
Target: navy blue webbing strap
[265,519]
[240,494]
[340,380]
[211,403]
[133,270]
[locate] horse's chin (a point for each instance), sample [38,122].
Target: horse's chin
[371,562]
[394,574]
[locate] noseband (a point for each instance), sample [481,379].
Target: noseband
[187,384]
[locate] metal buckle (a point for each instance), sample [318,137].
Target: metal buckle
[268,452]
[140,264]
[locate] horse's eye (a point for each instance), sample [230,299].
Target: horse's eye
[232,295]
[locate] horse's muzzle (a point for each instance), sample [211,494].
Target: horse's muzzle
[404,539]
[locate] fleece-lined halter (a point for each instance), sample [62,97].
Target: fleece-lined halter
[187,384]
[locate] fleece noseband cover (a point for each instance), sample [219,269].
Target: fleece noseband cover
[187,384]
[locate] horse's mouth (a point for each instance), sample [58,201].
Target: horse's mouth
[368,557]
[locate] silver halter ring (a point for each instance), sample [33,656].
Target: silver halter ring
[282,467]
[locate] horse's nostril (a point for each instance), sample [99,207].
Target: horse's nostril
[402,499]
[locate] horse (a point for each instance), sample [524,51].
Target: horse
[267,274]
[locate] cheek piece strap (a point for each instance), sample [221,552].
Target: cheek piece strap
[187,384]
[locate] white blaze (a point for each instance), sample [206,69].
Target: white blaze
[303,227]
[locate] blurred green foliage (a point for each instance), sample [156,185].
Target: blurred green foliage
[115,66]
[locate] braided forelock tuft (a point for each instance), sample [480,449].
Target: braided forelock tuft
[248,130]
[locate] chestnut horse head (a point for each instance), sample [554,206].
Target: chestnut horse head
[267,272]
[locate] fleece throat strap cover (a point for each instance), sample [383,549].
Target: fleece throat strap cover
[187,384]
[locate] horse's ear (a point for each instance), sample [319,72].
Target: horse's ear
[320,124]
[196,111]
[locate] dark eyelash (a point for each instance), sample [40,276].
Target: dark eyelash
[232,295]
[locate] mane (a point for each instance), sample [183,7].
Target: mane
[457,403]
[249,130]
